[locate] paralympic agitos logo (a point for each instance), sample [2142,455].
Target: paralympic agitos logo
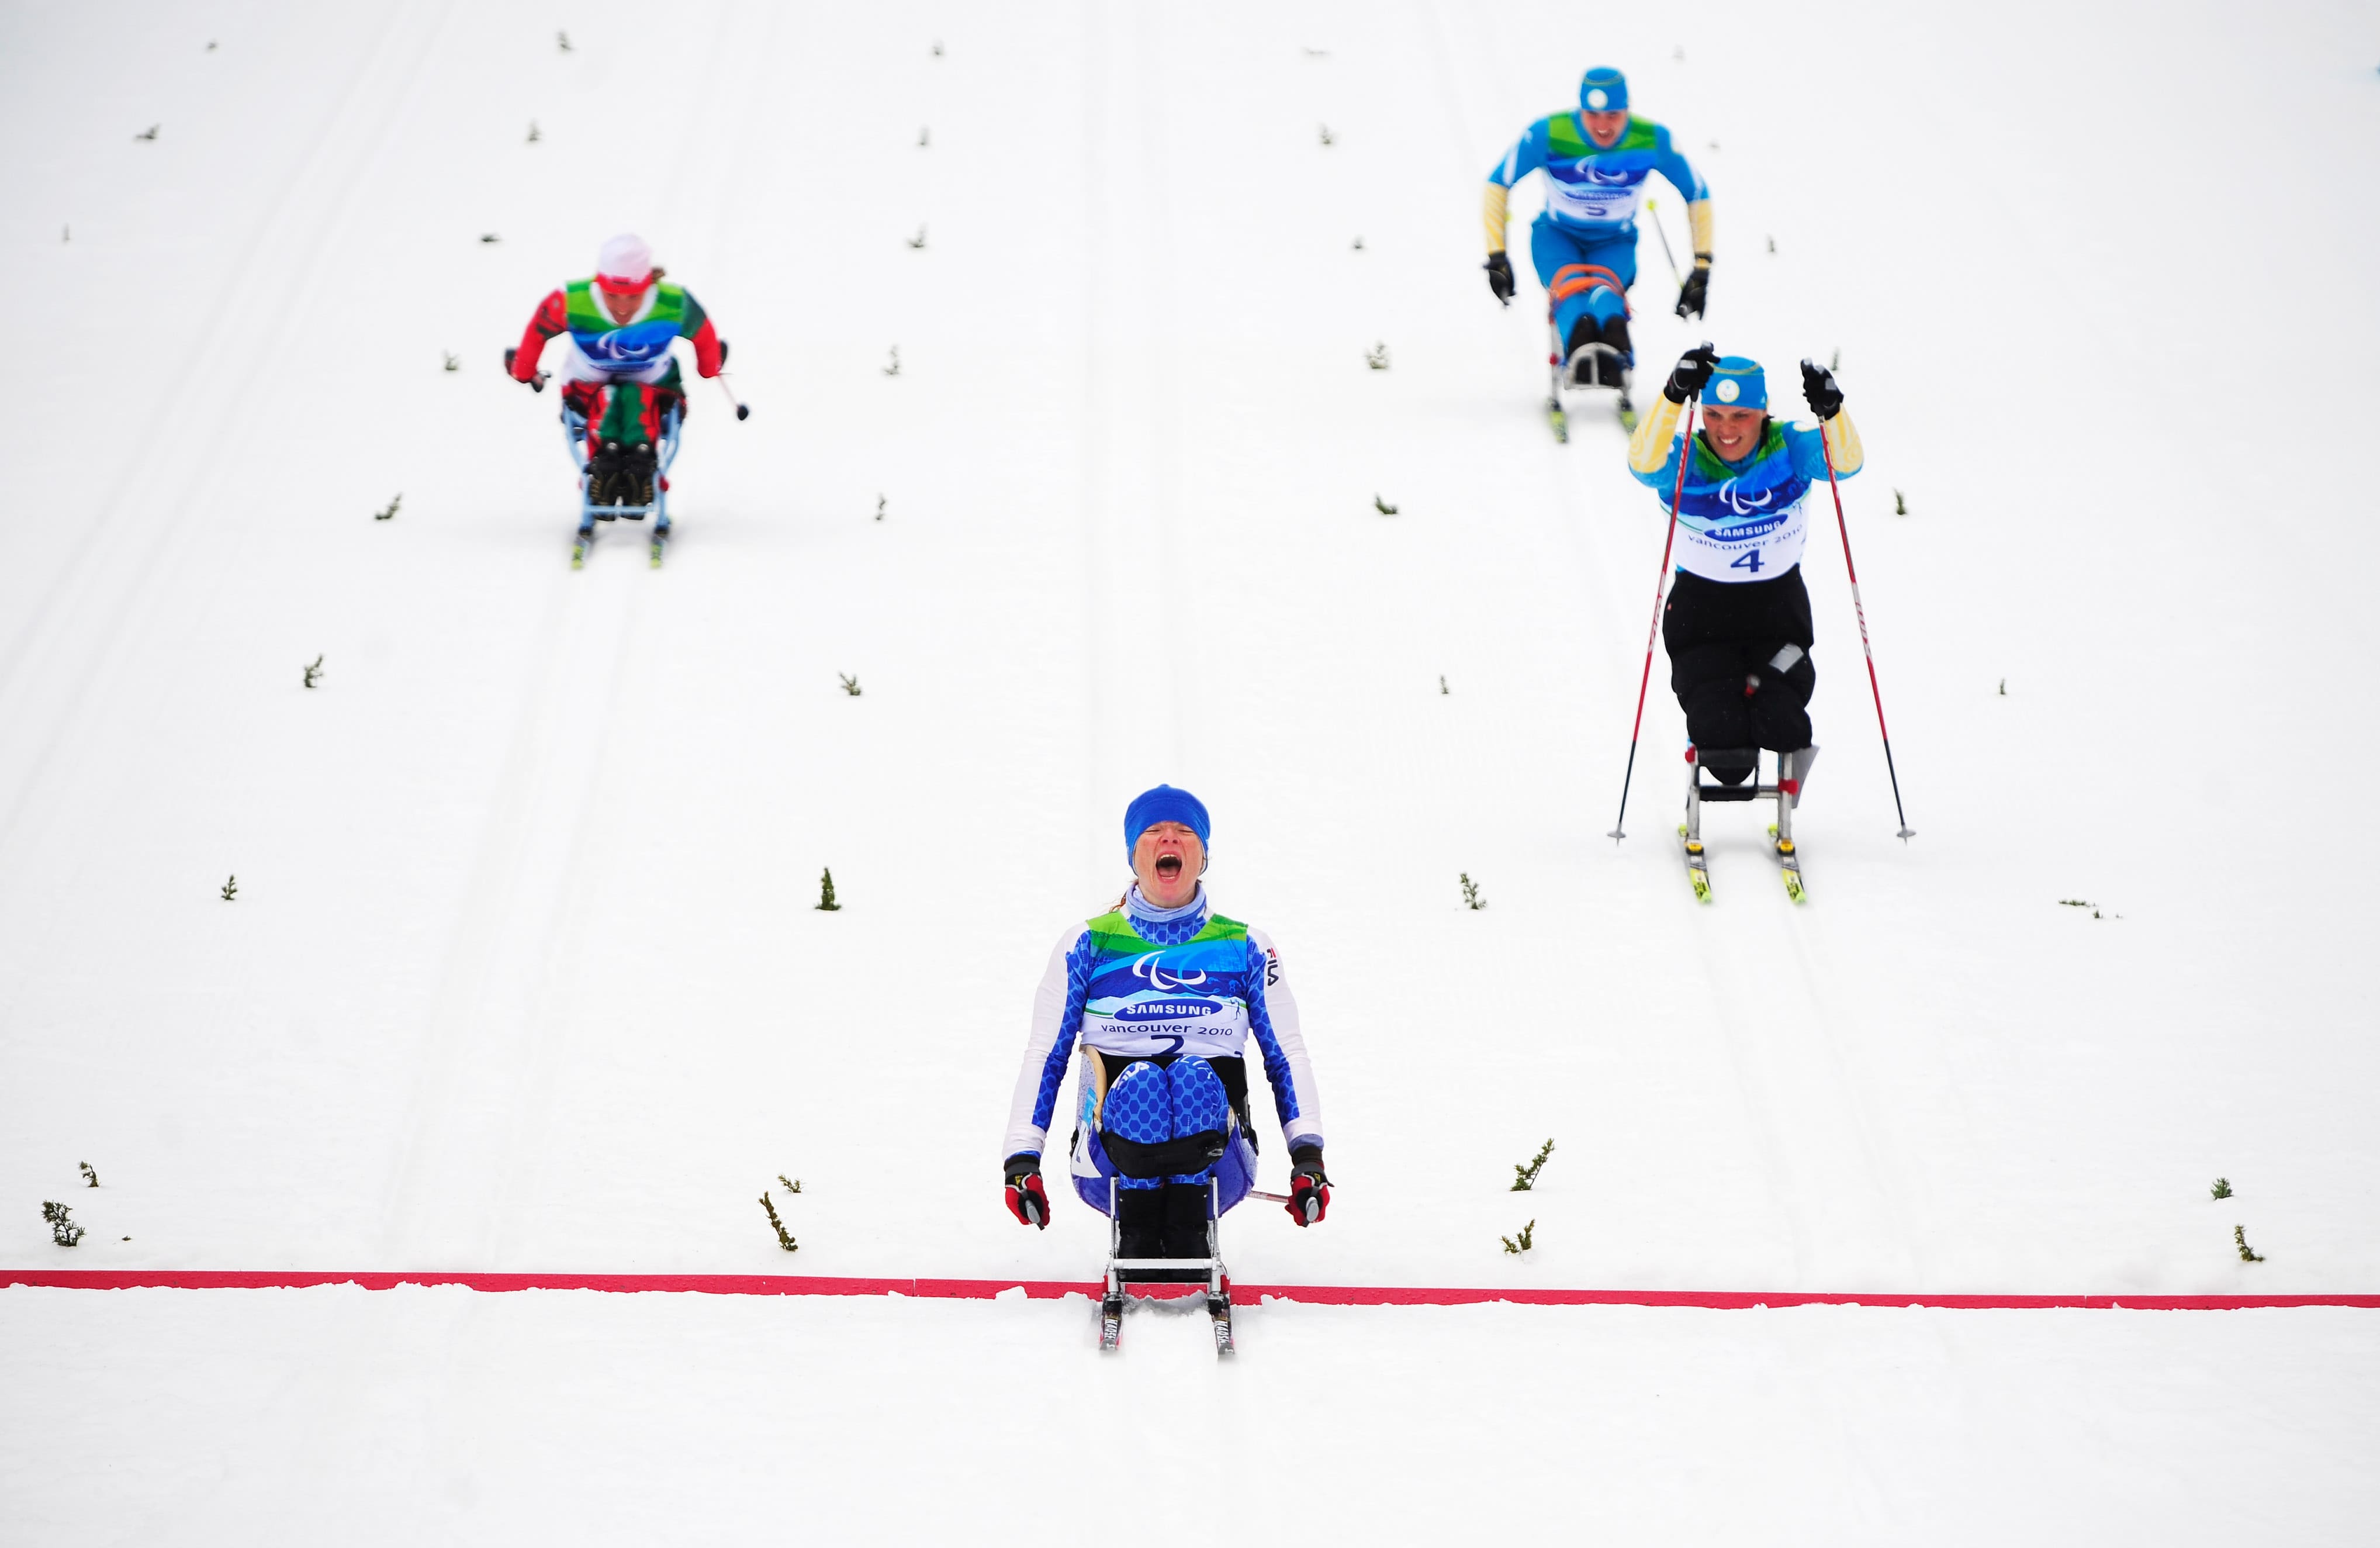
[1731,494]
[1156,977]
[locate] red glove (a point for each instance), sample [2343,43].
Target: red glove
[1026,1202]
[553,317]
[1309,1189]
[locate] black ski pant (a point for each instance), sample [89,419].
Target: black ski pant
[1740,665]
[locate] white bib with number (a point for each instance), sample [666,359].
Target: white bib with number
[1759,546]
[1599,204]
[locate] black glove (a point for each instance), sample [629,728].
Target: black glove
[1693,293]
[1818,388]
[1694,372]
[1499,276]
[1310,1188]
[723,353]
[1027,1200]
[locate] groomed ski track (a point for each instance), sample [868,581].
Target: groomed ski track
[523,980]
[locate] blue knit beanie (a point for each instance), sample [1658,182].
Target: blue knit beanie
[1736,382]
[1604,89]
[1164,804]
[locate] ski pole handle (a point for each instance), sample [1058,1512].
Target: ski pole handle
[743,411]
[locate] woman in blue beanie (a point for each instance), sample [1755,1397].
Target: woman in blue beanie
[1164,996]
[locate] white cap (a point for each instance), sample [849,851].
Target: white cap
[626,263]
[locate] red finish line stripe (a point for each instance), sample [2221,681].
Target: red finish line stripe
[1051,1289]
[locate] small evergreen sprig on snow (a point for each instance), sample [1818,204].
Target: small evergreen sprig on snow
[1471,898]
[826,903]
[2240,1239]
[63,1230]
[89,1178]
[1525,1178]
[1527,1240]
[314,672]
[784,1237]
[2222,1189]
[230,888]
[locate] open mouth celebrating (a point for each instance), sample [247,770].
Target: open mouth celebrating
[1169,866]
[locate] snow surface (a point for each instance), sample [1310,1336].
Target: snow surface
[523,971]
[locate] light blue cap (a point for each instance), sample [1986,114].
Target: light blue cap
[1737,382]
[1604,89]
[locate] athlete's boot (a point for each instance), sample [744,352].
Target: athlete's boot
[1140,1221]
[604,479]
[639,470]
[1579,352]
[1185,1221]
[1615,333]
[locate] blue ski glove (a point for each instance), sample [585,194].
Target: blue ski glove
[1027,1200]
[1310,1188]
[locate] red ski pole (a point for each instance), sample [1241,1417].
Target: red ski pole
[1852,570]
[1685,452]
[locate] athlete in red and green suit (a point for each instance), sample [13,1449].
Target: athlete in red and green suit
[616,368]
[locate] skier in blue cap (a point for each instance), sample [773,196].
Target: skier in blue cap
[1595,160]
[1165,998]
[1737,623]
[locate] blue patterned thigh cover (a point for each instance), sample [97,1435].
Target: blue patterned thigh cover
[1165,1124]
[1160,1124]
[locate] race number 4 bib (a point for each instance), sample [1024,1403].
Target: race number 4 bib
[1757,547]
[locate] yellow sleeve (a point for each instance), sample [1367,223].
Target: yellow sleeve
[1650,447]
[1698,215]
[1493,215]
[1843,442]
